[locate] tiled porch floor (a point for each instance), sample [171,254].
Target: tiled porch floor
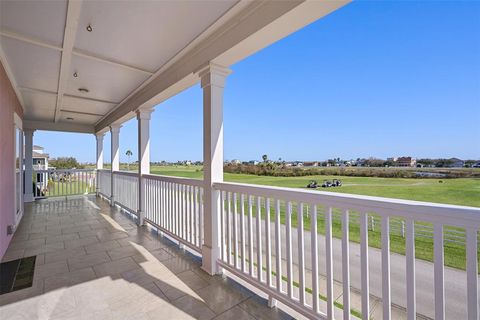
[93,262]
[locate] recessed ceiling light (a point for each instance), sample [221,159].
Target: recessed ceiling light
[84,90]
[89,28]
[75,75]
[69,118]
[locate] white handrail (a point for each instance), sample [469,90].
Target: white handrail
[461,216]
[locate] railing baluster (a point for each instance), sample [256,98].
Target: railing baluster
[250,235]
[242,231]
[229,228]
[235,234]
[288,225]
[438,271]
[259,239]
[195,217]
[278,247]
[346,264]
[301,255]
[364,265]
[329,261]
[472,273]
[201,217]
[222,225]
[269,242]
[386,290]
[314,247]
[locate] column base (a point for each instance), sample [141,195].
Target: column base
[112,201]
[210,257]
[141,218]
[28,197]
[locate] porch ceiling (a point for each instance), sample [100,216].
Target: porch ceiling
[128,58]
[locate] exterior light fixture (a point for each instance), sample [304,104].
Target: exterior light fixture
[69,118]
[89,28]
[83,90]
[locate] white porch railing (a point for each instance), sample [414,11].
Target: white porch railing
[175,206]
[270,238]
[125,190]
[104,182]
[261,246]
[63,182]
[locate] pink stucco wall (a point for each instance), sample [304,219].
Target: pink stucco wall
[8,105]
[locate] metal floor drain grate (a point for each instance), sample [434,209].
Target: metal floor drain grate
[17,274]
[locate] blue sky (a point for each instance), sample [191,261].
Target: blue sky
[372,79]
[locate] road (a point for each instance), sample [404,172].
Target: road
[455,280]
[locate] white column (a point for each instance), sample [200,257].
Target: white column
[115,152]
[99,138]
[212,81]
[143,118]
[28,165]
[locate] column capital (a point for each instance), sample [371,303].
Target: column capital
[99,135]
[213,75]
[115,128]
[29,131]
[144,114]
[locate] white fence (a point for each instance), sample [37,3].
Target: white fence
[104,182]
[66,182]
[125,190]
[254,215]
[175,207]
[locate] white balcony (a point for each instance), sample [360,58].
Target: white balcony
[168,247]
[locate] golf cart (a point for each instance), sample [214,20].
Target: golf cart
[313,184]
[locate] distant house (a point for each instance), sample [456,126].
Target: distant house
[40,158]
[235,161]
[456,163]
[406,162]
[476,165]
[310,164]
[40,162]
[254,162]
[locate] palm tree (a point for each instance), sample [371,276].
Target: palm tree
[128,154]
[265,158]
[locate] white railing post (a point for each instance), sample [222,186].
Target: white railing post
[115,152]
[212,81]
[28,165]
[99,138]
[143,120]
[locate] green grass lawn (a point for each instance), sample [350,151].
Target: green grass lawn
[451,191]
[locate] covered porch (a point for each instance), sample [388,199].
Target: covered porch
[110,243]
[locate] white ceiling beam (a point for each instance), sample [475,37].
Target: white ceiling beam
[58,126]
[75,51]
[91,56]
[28,39]
[80,112]
[73,14]
[65,95]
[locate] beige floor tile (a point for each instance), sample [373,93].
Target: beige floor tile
[80,242]
[88,260]
[235,313]
[68,279]
[63,255]
[221,296]
[102,246]
[50,269]
[194,307]
[114,268]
